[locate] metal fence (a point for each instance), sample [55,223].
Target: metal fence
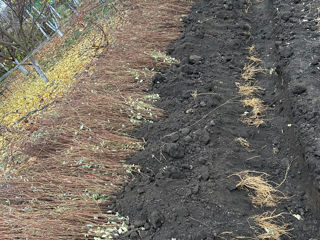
[38,48]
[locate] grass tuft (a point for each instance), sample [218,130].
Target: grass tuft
[254,59]
[248,90]
[250,70]
[257,109]
[271,226]
[262,192]
[243,142]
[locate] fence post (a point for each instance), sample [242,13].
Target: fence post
[39,69]
[4,67]
[20,67]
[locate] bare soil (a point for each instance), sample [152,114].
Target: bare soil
[185,189]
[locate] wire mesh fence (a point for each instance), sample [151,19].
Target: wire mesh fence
[49,27]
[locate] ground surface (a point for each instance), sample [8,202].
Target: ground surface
[64,143]
[184,190]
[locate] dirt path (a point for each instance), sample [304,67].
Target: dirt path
[185,189]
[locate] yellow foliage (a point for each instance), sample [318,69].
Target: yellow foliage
[34,93]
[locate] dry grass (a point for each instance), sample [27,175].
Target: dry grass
[262,192]
[252,50]
[271,226]
[257,110]
[71,159]
[254,59]
[195,94]
[243,142]
[250,70]
[248,90]
[267,226]
[318,18]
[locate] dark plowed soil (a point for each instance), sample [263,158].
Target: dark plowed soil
[184,190]
[297,51]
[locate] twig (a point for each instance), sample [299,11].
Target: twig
[225,103]
[31,113]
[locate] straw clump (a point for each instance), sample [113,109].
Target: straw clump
[271,226]
[243,142]
[263,194]
[250,91]
[250,70]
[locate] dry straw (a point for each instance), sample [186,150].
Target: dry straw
[243,142]
[250,71]
[71,161]
[262,193]
[256,118]
[271,226]
[267,226]
[248,90]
